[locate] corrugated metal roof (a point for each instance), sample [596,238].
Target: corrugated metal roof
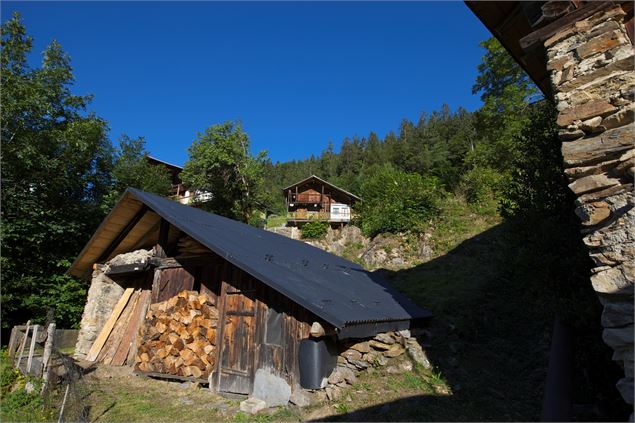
[337,290]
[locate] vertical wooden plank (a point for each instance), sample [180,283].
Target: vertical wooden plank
[46,356]
[29,361]
[116,336]
[26,335]
[103,335]
[156,286]
[129,336]
[13,341]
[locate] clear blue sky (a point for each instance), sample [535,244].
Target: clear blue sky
[298,75]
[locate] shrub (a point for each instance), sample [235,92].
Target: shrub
[481,187]
[314,230]
[396,201]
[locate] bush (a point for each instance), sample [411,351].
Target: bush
[481,187]
[396,201]
[314,230]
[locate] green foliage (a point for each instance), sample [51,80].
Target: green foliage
[220,163]
[314,230]
[59,173]
[481,187]
[55,162]
[131,169]
[8,374]
[396,201]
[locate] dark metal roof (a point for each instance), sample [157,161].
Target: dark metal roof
[350,194]
[341,292]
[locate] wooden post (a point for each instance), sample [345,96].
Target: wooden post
[12,342]
[26,335]
[164,228]
[46,357]
[29,361]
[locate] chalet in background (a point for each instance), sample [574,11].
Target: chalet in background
[179,191]
[314,199]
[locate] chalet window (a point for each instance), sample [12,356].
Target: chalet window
[273,332]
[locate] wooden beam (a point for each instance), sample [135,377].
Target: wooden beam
[110,323]
[124,232]
[162,246]
[550,29]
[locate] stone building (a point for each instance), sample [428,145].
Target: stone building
[580,54]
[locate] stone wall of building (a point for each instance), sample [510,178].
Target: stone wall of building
[103,295]
[591,68]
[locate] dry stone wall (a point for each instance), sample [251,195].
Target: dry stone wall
[591,69]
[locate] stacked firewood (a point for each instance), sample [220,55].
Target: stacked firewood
[179,336]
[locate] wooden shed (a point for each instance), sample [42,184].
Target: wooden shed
[254,296]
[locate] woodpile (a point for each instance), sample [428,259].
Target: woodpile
[179,337]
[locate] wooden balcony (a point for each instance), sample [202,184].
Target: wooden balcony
[309,216]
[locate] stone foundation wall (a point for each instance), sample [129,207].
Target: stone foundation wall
[591,69]
[396,351]
[103,295]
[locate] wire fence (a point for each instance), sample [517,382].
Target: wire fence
[59,379]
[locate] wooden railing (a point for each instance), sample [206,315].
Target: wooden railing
[308,215]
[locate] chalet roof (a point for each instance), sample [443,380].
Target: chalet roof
[357,302]
[317,178]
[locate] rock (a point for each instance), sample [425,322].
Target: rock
[605,146]
[348,375]
[625,386]
[617,314]
[29,387]
[385,338]
[252,405]
[362,347]
[599,44]
[381,360]
[395,351]
[592,183]
[379,345]
[416,353]
[404,333]
[592,125]
[593,213]
[618,337]
[569,135]
[359,364]
[405,366]
[272,389]
[585,111]
[393,370]
[333,392]
[351,354]
[616,280]
[336,376]
[621,118]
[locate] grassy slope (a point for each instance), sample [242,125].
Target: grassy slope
[489,344]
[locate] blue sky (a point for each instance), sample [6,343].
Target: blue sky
[298,75]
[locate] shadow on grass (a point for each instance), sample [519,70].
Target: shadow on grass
[494,300]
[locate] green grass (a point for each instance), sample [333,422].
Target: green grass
[276,221]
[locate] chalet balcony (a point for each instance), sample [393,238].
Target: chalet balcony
[311,216]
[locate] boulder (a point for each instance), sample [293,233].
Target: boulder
[252,405]
[385,338]
[333,392]
[416,353]
[272,389]
[359,364]
[395,351]
[379,345]
[352,354]
[336,376]
[348,375]
[617,314]
[300,398]
[362,347]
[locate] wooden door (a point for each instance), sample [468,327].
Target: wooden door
[238,336]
